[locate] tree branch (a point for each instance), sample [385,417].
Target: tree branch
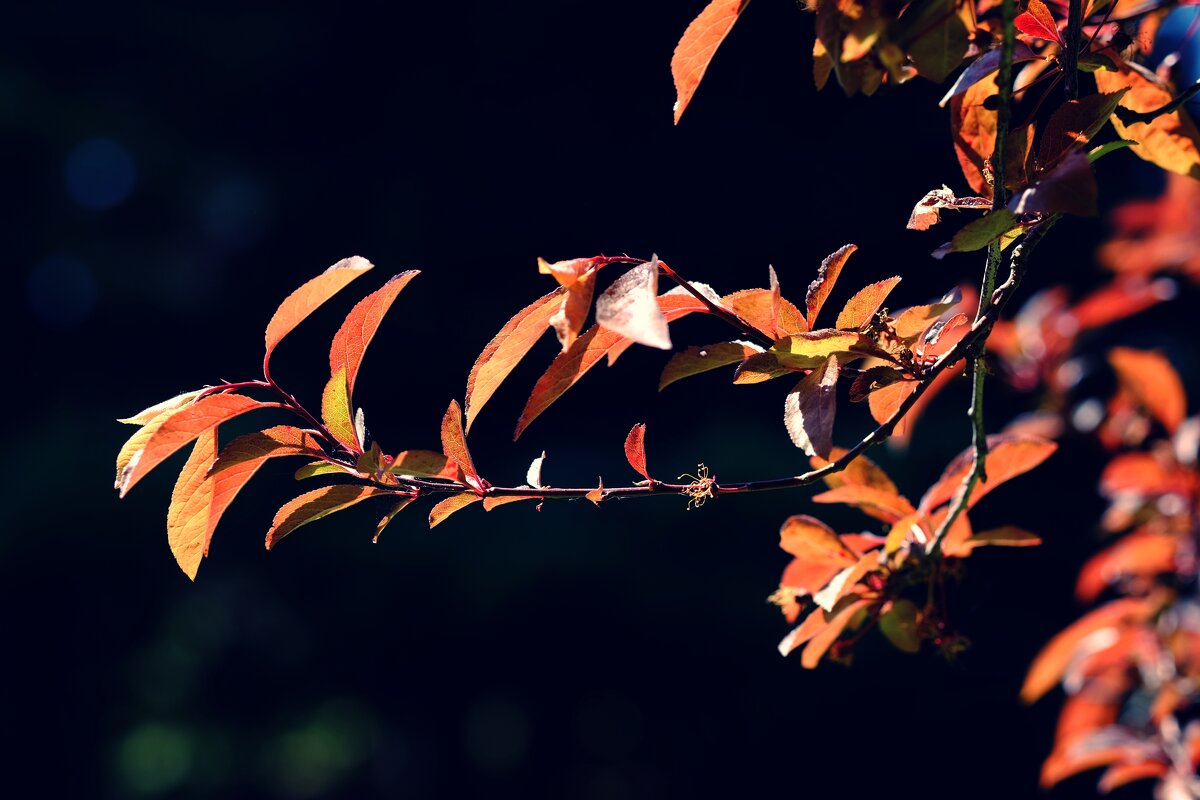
[1070,59]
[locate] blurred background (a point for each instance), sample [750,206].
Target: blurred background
[174,170]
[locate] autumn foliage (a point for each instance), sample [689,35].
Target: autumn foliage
[1039,94]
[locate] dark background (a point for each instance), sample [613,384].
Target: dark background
[174,170]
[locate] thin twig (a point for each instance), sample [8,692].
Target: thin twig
[1070,57]
[1018,265]
[1128,117]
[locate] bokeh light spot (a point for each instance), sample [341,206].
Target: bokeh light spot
[154,758]
[100,173]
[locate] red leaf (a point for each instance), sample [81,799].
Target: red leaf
[695,50]
[506,349]
[635,450]
[1037,21]
[316,504]
[827,275]
[302,302]
[454,443]
[180,428]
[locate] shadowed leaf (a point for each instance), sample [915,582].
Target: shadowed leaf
[439,513]
[1149,377]
[809,410]
[696,360]
[827,275]
[454,443]
[1171,140]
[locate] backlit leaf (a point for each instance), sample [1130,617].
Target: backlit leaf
[862,471]
[1149,377]
[1036,20]
[577,276]
[180,428]
[187,533]
[302,302]
[424,464]
[506,350]
[1008,457]
[147,415]
[877,502]
[337,414]
[635,450]
[695,50]
[201,497]
[827,275]
[819,645]
[454,443]
[973,129]
[980,233]
[630,307]
[587,351]
[316,504]
[764,310]
[696,360]
[533,475]
[1171,140]
[453,503]
[389,516]
[809,539]
[320,468]
[1048,667]
[495,501]
[860,309]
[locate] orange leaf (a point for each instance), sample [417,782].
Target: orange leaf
[696,360]
[1119,775]
[577,276]
[813,624]
[809,539]
[494,502]
[860,309]
[451,504]
[346,354]
[596,496]
[1142,553]
[635,450]
[1171,140]
[630,307]
[586,352]
[187,534]
[454,443]
[1149,377]
[844,582]
[424,464]
[351,340]
[695,50]
[1048,667]
[316,504]
[506,350]
[878,503]
[827,275]
[886,401]
[973,129]
[180,428]
[862,471]
[199,501]
[1008,457]
[391,515]
[809,410]
[302,302]
[766,311]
